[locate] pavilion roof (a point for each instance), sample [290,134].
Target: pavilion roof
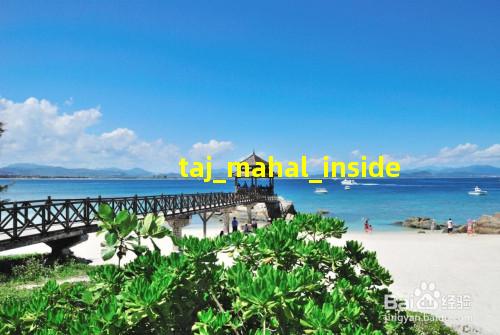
[253,159]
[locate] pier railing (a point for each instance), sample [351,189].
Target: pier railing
[27,219]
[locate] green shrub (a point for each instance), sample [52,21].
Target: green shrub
[32,269]
[424,324]
[284,279]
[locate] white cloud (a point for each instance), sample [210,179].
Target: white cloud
[460,155]
[356,153]
[460,150]
[315,162]
[36,132]
[213,147]
[490,153]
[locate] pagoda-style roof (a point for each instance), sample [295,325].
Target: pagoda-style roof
[253,159]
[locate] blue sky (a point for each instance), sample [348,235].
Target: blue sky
[406,79]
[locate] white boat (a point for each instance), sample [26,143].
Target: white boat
[348,182]
[347,187]
[478,191]
[320,190]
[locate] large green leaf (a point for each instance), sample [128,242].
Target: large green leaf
[139,249]
[111,239]
[105,212]
[108,253]
[146,225]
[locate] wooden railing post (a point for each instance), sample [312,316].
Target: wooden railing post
[45,214]
[86,213]
[49,212]
[66,203]
[134,205]
[14,219]
[155,204]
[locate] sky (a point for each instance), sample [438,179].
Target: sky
[143,83]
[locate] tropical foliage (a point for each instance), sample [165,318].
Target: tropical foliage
[283,279]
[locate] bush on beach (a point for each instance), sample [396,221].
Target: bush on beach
[283,279]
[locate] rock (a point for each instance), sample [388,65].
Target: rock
[419,223]
[260,212]
[286,206]
[488,224]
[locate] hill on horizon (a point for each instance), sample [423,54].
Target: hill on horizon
[36,170]
[47,171]
[453,172]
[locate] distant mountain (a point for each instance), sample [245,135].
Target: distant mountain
[472,171]
[34,170]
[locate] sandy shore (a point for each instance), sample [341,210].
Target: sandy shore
[461,272]
[465,272]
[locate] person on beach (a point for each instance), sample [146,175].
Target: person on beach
[450,226]
[234,223]
[433,224]
[470,227]
[254,224]
[368,226]
[246,228]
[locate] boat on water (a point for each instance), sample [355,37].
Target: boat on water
[320,190]
[347,187]
[478,191]
[348,182]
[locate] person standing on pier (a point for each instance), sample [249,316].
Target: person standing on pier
[235,224]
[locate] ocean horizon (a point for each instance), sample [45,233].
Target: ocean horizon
[382,201]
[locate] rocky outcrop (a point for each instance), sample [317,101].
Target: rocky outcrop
[287,206]
[486,224]
[260,212]
[419,223]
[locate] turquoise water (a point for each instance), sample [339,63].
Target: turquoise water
[383,200]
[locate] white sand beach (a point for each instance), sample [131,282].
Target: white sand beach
[464,270]
[461,272]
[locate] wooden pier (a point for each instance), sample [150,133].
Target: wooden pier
[61,223]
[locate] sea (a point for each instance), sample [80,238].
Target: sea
[382,201]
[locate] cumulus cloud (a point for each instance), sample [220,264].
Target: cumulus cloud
[37,132]
[460,155]
[315,162]
[213,147]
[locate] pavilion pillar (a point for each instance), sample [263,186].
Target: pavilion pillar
[226,219]
[249,213]
[204,218]
[177,224]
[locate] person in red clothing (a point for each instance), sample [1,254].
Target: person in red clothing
[368,226]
